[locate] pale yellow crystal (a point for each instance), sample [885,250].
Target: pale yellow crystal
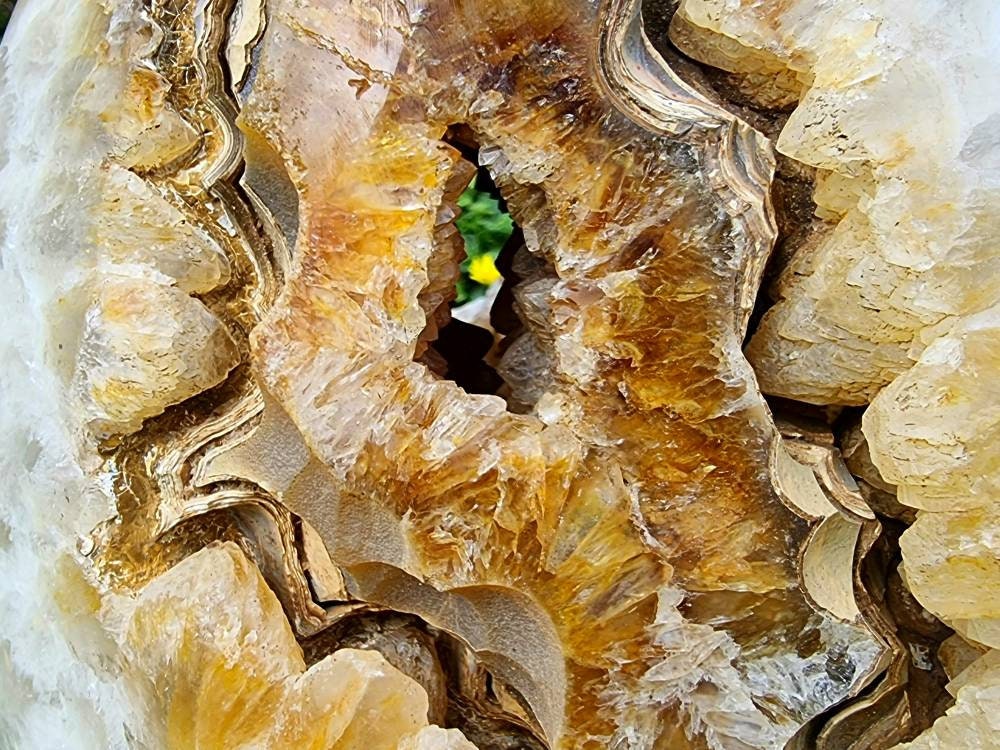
[146,346]
[933,432]
[915,249]
[436,738]
[222,669]
[973,723]
[137,224]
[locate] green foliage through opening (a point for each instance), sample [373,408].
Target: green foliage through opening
[484,228]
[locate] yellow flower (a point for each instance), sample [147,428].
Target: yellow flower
[483,270]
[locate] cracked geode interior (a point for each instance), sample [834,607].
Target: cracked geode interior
[308,509]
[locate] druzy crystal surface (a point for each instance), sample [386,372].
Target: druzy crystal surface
[711,465]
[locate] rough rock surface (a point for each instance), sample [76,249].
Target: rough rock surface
[244,509]
[893,300]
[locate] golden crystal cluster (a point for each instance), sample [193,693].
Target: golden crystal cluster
[256,498]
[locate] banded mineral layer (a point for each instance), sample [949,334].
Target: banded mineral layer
[246,505]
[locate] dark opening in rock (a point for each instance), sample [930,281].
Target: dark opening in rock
[486,346]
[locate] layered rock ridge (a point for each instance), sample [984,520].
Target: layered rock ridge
[891,300]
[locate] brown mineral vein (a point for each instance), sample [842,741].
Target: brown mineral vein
[148,467]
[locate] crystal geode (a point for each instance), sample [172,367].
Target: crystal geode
[265,488]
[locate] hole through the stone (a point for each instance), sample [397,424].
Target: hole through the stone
[497,339]
[465,350]
[485,226]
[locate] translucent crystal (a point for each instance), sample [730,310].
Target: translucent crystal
[246,505]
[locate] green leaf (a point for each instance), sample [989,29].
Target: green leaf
[485,229]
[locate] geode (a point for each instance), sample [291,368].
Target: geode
[711,466]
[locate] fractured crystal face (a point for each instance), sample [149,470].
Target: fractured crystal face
[146,346]
[231,274]
[224,670]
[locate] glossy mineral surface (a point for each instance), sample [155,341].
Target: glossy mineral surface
[253,501]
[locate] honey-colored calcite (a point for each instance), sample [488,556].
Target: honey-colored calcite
[639,479]
[263,489]
[220,668]
[933,433]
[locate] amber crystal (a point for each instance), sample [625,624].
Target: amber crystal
[639,481]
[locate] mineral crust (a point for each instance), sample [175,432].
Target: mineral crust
[246,507]
[640,478]
[892,299]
